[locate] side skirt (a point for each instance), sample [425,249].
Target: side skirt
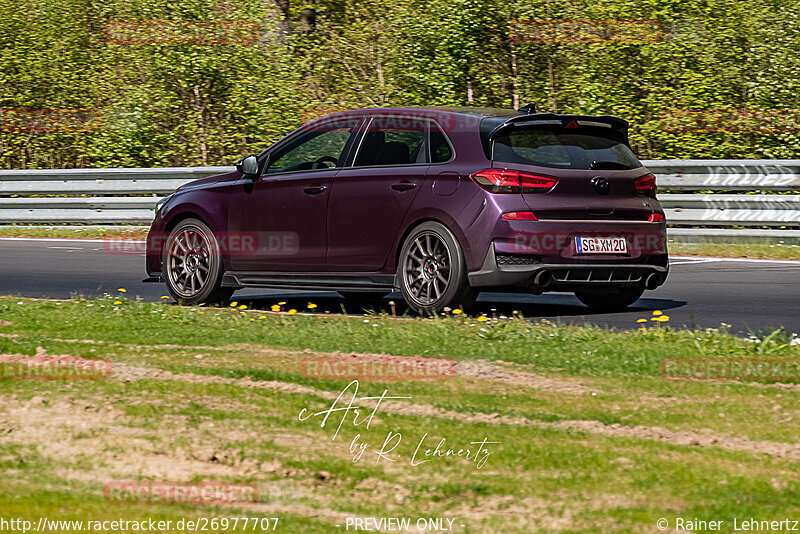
[315,281]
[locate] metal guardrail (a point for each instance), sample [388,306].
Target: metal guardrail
[111,196]
[22,193]
[734,198]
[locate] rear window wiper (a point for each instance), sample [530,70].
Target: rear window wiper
[609,166]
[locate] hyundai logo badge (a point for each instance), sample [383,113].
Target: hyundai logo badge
[601,185]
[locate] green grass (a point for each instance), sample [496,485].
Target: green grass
[775,251]
[77,232]
[600,443]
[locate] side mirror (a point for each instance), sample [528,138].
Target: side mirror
[248,166]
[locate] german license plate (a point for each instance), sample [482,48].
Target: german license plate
[601,245]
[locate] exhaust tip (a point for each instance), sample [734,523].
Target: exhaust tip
[543,279]
[652,281]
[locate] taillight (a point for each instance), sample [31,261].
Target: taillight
[518,216]
[656,217]
[511,181]
[646,184]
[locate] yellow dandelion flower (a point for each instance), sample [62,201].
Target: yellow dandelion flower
[243,307]
[234,304]
[292,311]
[117,302]
[664,318]
[262,316]
[275,307]
[457,311]
[164,296]
[122,290]
[482,319]
[281,304]
[311,305]
[657,313]
[641,320]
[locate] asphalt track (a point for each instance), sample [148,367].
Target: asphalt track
[750,295]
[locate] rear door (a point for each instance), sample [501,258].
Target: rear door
[369,200]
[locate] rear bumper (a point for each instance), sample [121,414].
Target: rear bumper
[534,274]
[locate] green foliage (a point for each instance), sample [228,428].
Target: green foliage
[179,103]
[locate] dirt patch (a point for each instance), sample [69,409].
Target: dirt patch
[534,381]
[129,373]
[480,369]
[529,512]
[491,371]
[3,322]
[684,438]
[73,431]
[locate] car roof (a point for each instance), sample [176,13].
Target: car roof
[433,111]
[474,112]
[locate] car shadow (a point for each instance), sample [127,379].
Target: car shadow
[557,305]
[549,305]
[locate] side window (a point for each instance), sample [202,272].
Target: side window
[393,141]
[320,148]
[440,148]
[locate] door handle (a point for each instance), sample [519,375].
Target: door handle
[403,186]
[314,189]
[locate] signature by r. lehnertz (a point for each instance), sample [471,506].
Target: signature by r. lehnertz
[475,451]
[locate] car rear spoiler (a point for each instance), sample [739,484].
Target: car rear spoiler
[619,126]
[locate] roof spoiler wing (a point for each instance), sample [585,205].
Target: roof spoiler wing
[620,126]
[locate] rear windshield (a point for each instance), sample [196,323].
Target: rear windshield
[582,148]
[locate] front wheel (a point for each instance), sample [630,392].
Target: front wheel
[432,271]
[610,300]
[192,264]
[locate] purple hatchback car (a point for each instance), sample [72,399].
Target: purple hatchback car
[439,203]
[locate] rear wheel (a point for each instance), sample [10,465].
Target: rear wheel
[432,271]
[192,264]
[610,300]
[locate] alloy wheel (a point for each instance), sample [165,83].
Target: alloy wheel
[188,263]
[427,268]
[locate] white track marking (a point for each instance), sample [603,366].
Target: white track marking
[691,262]
[73,240]
[707,259]
[52,239]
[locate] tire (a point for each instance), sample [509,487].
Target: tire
[432,271]
[615,299]
[192,265]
